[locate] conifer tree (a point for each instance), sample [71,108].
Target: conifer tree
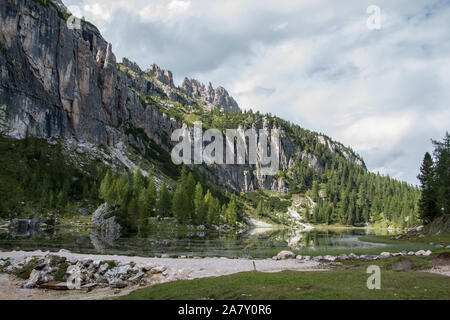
[151,195]
[199,205]
[179,204]
[427,203]
[442,173]
[105,185]
[164,201]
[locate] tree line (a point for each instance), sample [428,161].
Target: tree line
[138,199]
[35,177]
[348,194]
[434,180]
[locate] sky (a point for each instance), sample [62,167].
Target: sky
[380,86]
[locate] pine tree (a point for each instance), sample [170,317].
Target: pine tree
[231,213]
[442,173]
[260,208]
[111,195]
[315,191]
[105,185]
[151,195]
[213,208]
[427,203]
[189,189]
[94,191]
[200,208]
[164,202]
[132,210]
[85,185]
[62,199]
[138,181]
[179,205]
[144,210]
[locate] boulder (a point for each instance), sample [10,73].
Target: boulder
[353,256]
[342,256]
[159,269]
[329,258]
[385,255]
[83,212]
[105,221]
[420,253]
[137,277]
[367,257]
[33,280]
[284,255]
[317,258]
[118,284]
[146,268]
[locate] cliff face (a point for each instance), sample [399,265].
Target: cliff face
[209,95]
[56,81]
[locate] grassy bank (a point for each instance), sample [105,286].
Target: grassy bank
[339,284]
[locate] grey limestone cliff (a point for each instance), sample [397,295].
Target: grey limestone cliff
[62,82]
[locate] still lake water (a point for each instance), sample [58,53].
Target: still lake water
[255,243]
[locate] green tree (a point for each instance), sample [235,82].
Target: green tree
[199,205]
[442,173]
[105,185]
[164,202]
[189,189]
[179,205]
[231,213]
[138,181]
[427,202]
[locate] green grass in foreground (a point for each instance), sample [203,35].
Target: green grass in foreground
[333,285]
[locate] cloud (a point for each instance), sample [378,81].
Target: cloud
[382,92]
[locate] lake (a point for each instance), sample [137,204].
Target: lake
[254,243]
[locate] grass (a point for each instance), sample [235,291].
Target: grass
[418,262]
[287,285]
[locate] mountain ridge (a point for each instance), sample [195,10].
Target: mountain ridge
[65,86]
[74,87]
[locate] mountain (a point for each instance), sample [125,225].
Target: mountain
[65,83]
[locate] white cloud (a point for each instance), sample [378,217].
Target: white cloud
[179,5]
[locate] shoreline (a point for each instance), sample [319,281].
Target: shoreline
[176,268]
[198,267]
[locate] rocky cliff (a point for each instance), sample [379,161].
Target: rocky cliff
[209,95]
[61,82]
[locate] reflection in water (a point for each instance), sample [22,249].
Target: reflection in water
[252,243]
